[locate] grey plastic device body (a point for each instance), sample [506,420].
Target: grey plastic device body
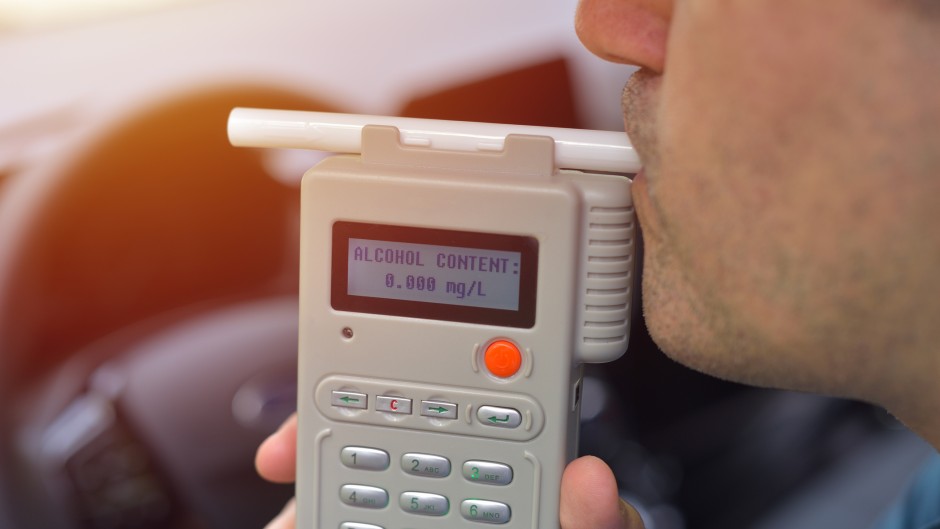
[584,227]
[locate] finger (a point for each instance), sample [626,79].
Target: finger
[286,519]
[589,498]
[276,459]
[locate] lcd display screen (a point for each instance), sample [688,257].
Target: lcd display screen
[434,274]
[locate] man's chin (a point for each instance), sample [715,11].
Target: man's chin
[699,333]
[668,310]
[695,335]
[670,323]
[709,340]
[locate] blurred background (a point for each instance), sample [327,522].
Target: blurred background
[148,270]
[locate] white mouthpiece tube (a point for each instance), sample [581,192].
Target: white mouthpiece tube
[591,150]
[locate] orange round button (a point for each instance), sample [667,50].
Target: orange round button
[502,358]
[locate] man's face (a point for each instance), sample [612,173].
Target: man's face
[790,201]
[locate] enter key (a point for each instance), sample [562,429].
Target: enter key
[499,417]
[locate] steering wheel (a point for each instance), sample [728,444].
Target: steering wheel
[147,323]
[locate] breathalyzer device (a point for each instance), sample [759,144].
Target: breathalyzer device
[454,278]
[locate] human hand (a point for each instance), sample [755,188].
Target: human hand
[589,498]
[276,461]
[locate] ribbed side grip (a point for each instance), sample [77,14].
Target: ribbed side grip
[609,275]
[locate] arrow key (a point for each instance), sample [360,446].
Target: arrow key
[499,417]
[349,399]
[437,409]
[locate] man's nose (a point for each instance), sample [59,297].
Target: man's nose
[626,31]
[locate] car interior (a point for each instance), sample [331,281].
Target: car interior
[148,269]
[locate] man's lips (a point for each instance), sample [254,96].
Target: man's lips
[640,103]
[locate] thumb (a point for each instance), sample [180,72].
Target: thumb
[589,498]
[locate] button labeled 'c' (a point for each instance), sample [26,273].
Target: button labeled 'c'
[393,404]
[502,358]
